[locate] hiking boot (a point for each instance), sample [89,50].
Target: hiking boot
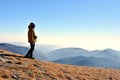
[26,57]
[32,57]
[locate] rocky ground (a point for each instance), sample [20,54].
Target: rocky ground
[16,67]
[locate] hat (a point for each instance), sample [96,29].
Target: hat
[31,25]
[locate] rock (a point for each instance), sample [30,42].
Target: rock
[2,60]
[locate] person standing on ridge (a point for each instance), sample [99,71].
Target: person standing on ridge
[31,39]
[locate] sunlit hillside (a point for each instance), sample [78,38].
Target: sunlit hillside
[15,67]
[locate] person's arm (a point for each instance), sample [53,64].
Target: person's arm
[34,36]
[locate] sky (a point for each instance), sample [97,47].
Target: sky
[88,24]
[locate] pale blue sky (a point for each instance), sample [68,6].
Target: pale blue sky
[90,24]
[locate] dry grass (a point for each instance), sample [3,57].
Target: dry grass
[15,67]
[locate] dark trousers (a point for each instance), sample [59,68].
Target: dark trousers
[30,52]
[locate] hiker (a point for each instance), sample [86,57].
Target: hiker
[31,39]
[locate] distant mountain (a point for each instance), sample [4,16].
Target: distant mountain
[46,48]
[39,47]
[14,48]
[77,56]
[105,53]
[98,62]
[21,50]
[70,60]
[66,53]
[90,61]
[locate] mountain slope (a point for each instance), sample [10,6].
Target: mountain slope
[14,67]
[21,50]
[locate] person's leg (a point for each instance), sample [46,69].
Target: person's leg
[32,49]
[29,52]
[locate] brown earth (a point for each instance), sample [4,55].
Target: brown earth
[16,67]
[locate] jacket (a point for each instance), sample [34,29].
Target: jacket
[31,36]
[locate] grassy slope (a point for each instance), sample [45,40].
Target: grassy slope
[14,66]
